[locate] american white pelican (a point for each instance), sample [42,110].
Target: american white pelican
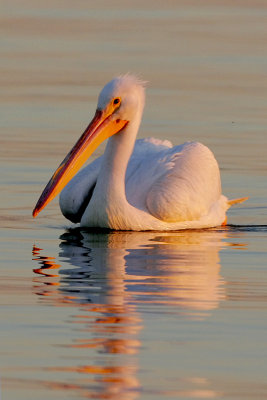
[146,184]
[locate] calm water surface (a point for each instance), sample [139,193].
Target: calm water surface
[125,315]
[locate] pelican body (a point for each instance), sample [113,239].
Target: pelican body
[145,184]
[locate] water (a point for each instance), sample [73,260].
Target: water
[130,315]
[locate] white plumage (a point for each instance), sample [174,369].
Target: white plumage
[167,188]
[137,185]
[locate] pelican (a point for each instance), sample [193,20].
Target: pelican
[137,185]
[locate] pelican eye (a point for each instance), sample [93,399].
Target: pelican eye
[117,100]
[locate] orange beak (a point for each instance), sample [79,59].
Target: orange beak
[100,128]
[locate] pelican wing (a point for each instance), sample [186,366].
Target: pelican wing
[174,184]
[188,188]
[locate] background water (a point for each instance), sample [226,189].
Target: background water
[133,315]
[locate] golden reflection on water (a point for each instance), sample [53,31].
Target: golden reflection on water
[186,266]
[110,278]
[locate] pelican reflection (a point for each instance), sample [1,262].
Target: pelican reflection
[108,277]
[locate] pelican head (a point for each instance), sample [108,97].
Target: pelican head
[126,93]
[118,103]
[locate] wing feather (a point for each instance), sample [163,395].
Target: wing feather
[188,188]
